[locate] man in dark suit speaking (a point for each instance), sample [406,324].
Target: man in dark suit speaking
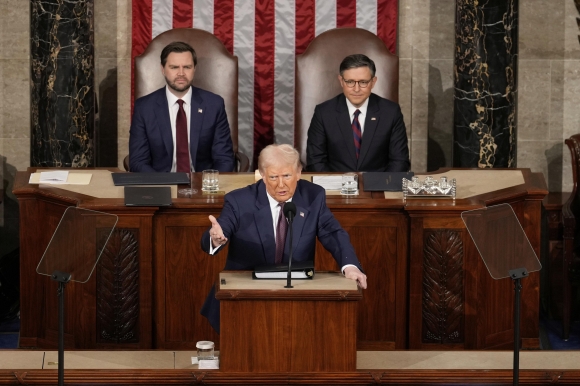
[252,222]
[357,130]
[180,128]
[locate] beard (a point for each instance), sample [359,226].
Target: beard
[177,88]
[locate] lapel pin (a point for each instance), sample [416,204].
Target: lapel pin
[301,214]
[373,119]
[200,111]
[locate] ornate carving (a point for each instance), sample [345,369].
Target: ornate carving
[118,289]
[443,287]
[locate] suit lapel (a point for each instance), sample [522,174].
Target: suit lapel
[345,125]
[370,127]
[264,225]
[297,224]
[196,120]
[164,122]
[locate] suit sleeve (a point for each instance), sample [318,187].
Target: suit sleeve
[228,220]
[398,145]
[139,151]
[334,238]
[316,154]
[223,149]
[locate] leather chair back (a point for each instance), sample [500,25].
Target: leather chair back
[317,71]
[216,70]
[571,250]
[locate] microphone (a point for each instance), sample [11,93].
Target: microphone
[289,213]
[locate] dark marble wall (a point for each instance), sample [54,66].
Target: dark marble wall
[62,83]
[485,98]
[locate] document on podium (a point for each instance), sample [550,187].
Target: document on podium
[299,270]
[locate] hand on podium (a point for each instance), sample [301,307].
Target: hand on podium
[216,233]
[354,273]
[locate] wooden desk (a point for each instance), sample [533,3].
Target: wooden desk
[408,250]
[265,327]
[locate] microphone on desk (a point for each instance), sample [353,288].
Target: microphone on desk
[289,213]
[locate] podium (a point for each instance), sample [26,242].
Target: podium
[268,328]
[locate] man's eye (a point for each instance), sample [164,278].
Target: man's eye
[363,83]
[349,82]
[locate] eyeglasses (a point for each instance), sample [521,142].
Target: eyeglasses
[362,83]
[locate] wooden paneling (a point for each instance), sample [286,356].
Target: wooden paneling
[389,235]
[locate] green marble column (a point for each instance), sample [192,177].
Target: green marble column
[62,83]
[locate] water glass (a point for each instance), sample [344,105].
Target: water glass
[210,180]
[349,184]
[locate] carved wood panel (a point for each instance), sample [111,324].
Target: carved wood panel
[443,299]
[118,289]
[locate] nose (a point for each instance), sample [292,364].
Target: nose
[356,86]
[280,182]
[180,71]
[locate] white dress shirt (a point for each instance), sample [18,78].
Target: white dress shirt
[173,109]
[362,116]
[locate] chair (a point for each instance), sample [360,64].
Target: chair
[571,260]
[317,71]
[216,71]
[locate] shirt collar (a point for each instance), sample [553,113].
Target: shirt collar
[352,109]
[172,99]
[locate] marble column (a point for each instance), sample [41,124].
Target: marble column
[62,83]
[485,98]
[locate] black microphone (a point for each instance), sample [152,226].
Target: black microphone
[289,213]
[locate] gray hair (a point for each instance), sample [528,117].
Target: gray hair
[283,154]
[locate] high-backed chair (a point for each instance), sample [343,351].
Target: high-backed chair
[216,71]
[571,220]
[317,71]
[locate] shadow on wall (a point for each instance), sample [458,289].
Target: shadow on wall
[440,123]
[554,158]
[106,121]
[9,215]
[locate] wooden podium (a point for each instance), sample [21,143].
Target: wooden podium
[268,328]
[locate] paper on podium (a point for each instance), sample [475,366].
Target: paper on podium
[58,179]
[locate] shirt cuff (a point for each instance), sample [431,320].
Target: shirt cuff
[343,268]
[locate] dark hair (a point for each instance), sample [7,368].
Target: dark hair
[356,61]
[177,47]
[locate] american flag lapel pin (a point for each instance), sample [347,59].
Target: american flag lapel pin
[373,119]
[301,214]
[200,111]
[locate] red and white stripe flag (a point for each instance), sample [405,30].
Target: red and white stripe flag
[265,35]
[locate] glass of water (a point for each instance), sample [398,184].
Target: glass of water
[349,184]
[210,180]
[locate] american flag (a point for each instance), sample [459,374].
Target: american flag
[265,35]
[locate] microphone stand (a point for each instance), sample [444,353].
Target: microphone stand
[289,276]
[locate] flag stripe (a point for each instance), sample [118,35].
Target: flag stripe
[325,16]
[182,13]
[345,13]
[162,16]
[366,15]
[244,47]
[203,15]
[224,23]
[305,24]
[284,72]
[264,76]
[387,22]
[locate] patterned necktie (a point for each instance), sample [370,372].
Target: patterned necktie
[356,132]
[182,144]
[281,229]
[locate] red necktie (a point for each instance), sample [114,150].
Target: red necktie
[281,229]
[356,132]
[182,144]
